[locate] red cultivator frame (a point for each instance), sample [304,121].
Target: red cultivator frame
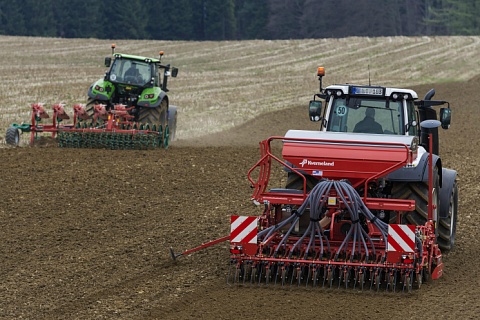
[336,234]
[111,129]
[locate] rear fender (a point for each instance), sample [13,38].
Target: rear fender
[101,90]
[417,173]
[448,176]
[151,97]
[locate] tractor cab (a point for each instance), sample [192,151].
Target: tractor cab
[375,110]
[134,72]
[366,109]
[135,81]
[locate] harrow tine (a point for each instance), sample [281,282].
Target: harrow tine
[244,272]
[237,275]
[253,274]
[276,274]
[419,278]
[362,278]
[284,275]
[294,274]
[268,274]
[378,277]
[340,277]
[408,281]
[331,275]
[299,275]
[260,275]
[372,279]
[355,277]
[308,275]
[395,281]
[229,272]
[348,272]
[325,269]
[315,276]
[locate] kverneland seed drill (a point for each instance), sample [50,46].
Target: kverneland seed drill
[126,109]
[367,203]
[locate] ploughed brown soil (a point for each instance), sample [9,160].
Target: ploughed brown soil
[85,233]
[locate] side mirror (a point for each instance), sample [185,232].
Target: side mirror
[445,117]
[108,61]
[174,72]
[315,110]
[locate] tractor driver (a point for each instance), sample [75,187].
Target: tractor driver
[132,72]
[368,124]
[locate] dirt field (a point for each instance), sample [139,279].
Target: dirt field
[85,233]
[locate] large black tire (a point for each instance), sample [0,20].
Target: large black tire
[12,137]
[158,117]
[417,191]
[447,227]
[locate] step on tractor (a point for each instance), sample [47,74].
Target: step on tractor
[363,203]
[126,109]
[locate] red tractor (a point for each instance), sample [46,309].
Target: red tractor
[366,204]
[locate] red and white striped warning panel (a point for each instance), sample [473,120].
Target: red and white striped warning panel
[243,229]
[401,238]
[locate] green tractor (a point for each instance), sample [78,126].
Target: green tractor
[140,83]
[127,109]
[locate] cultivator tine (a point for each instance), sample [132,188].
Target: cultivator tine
[331,276]
[246,270]
[325,269]
[341,275]
[253,275]
[238,272]
[407,283]
[391,277]
[308,275]
[284,275]
[315,275]
[229,273]
[419,278]
[362,278]
[268,274]
[349,275]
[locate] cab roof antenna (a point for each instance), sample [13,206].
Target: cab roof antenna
[369,83]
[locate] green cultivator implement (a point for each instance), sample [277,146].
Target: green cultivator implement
[127,109]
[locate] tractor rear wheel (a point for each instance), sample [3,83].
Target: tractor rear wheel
[157,116]
[417,191]
[447,227]
[12,137]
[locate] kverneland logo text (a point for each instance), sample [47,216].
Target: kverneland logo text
[317,163]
